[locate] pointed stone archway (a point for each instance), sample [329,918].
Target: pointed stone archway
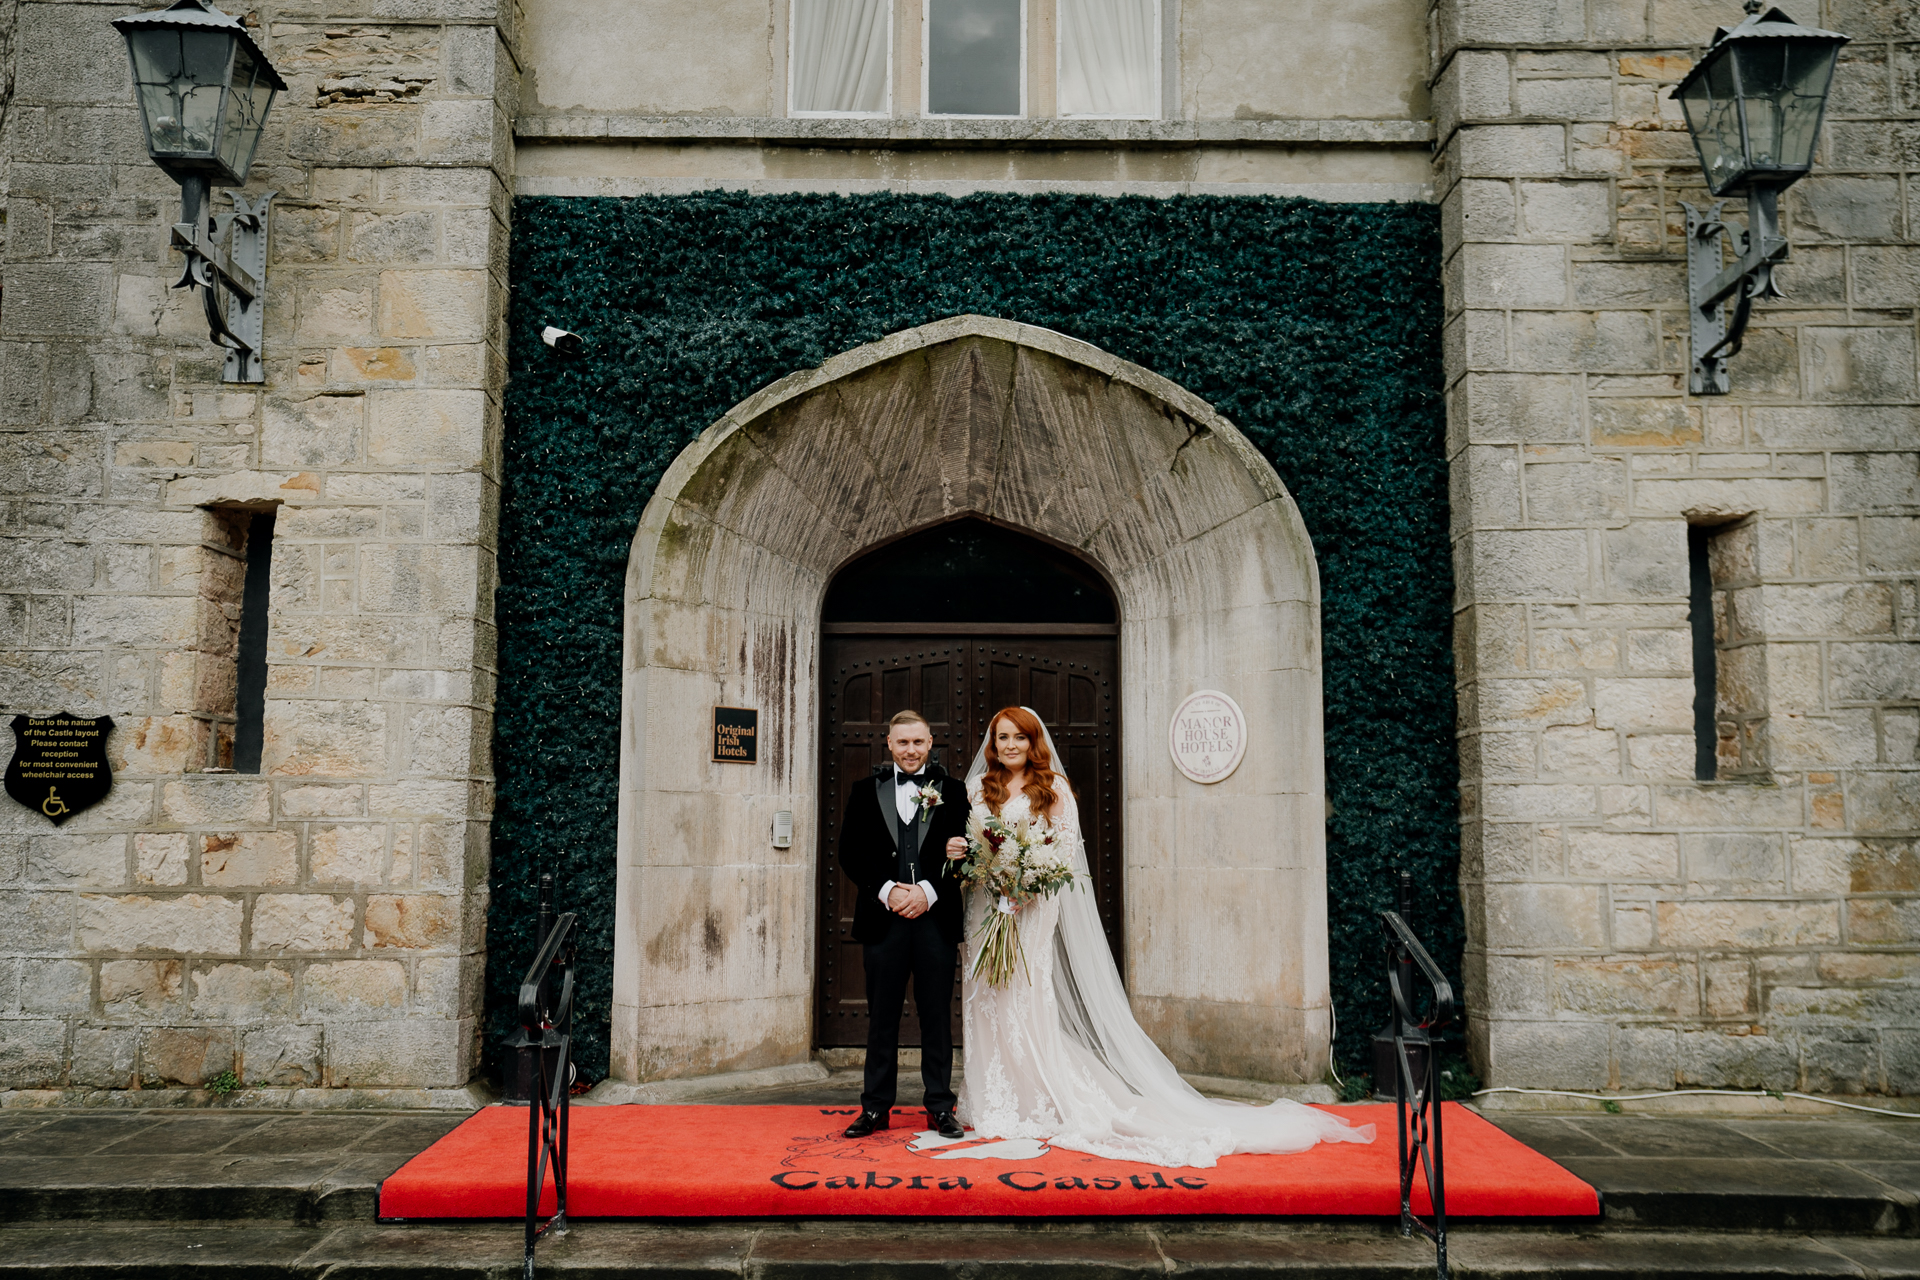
[1226,933]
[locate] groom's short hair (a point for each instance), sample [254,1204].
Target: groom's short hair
[908,717]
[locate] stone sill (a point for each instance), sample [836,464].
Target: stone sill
[923,132]
[469,1097]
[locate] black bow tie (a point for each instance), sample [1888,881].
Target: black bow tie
[902,778]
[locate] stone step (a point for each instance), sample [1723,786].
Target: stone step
[936,1251]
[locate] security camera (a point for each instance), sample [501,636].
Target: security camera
[567,344]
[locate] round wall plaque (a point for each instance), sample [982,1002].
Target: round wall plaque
[1208,736]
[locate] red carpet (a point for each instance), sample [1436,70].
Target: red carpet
[751,1162]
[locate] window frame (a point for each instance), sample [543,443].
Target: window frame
[1159,67]
[926,62]
[886,110]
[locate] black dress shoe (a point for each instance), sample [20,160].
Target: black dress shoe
[946,1124]
[866,1124]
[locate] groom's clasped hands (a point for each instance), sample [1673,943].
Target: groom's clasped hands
[908,900]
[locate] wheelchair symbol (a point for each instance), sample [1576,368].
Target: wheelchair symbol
[48,806]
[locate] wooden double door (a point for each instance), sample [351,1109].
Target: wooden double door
[956,677]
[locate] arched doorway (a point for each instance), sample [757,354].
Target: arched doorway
[1224,932]
[955,622]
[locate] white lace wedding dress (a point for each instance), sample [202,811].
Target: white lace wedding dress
[1061,1058]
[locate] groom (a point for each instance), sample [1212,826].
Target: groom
[907,918]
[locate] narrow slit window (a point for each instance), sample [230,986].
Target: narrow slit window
[1706,728]
[250,694]
[975,52]
[839,58]
[1109,59]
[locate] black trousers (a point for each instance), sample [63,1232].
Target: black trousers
[912,949]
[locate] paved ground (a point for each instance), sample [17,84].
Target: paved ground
[142,1195]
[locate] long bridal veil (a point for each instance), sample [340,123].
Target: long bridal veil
[1157,1111]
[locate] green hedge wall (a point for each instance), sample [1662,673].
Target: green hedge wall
[1314,327]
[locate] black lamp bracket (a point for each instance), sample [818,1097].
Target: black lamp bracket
[227,262]
[1711,281]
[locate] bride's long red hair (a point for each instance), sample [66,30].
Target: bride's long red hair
[1041,779]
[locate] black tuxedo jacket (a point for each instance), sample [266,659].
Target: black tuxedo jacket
[869,853]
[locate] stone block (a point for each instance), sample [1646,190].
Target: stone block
[1511,151]
[188,1056]
[1643,704]
[66,299]
[1862,481]
[413,922]
[331,309]
[1617,341]
[1513,275]
[1516,409]
[1545,916]
[1644,988]
[321,738]
[1890,544]
[1576,492]
[55,987]
[1885,275]
[1739,1061]
[36,922]
[304,235]
[1828,609]
[1621,855]
[1647,558]
[1580,751]
[284,922]
[160,858]
[1522,564]
[418,1052]
[188,924]
[1749,860]
[1531,703]
[320,431]
[140,989]
[77,860]
[1570,99]
[243,859]
[1548,1055]
[1874,672]
[371,364]
[286,1055]
[1575,648]
[33,1053]
[1860,363]
[431,303]
[355,989]
[390,238]
[103,1057]
[1631,422]
[1883,921]
[1729,497]
[347,855]
[208,800]
[320,801]
[432,427]
[237,994]
[1747,924]
[1884,801]
[1830,207]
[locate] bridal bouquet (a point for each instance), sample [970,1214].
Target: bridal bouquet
[1017,862]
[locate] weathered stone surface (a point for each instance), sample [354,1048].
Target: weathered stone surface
[284,922]
[353,989]
[189,924]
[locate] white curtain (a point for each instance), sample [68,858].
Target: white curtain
[1109,63]
[840,55]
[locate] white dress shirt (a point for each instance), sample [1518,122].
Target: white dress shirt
[904,802]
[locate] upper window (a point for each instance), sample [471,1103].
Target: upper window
[976,57]
[840,57]
[1109,58]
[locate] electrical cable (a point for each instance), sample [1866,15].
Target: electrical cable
[1694,1093]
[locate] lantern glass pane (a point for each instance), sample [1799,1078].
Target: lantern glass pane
[246,113]
[181,77]
[1713,116]
[1785,86]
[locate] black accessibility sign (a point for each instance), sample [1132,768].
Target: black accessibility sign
[59,763]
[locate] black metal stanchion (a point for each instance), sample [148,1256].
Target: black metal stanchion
[1416,1072]
[543,1063]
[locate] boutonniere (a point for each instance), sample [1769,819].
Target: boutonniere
[928,798]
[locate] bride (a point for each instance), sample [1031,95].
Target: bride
[1056,1053]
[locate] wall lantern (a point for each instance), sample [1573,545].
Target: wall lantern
[1754,106]
[204,88]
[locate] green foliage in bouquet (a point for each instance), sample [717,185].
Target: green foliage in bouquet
[1314,327]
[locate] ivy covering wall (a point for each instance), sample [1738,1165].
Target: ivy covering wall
[1314,327]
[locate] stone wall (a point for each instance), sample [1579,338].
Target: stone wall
[320,923]
[1629,926]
